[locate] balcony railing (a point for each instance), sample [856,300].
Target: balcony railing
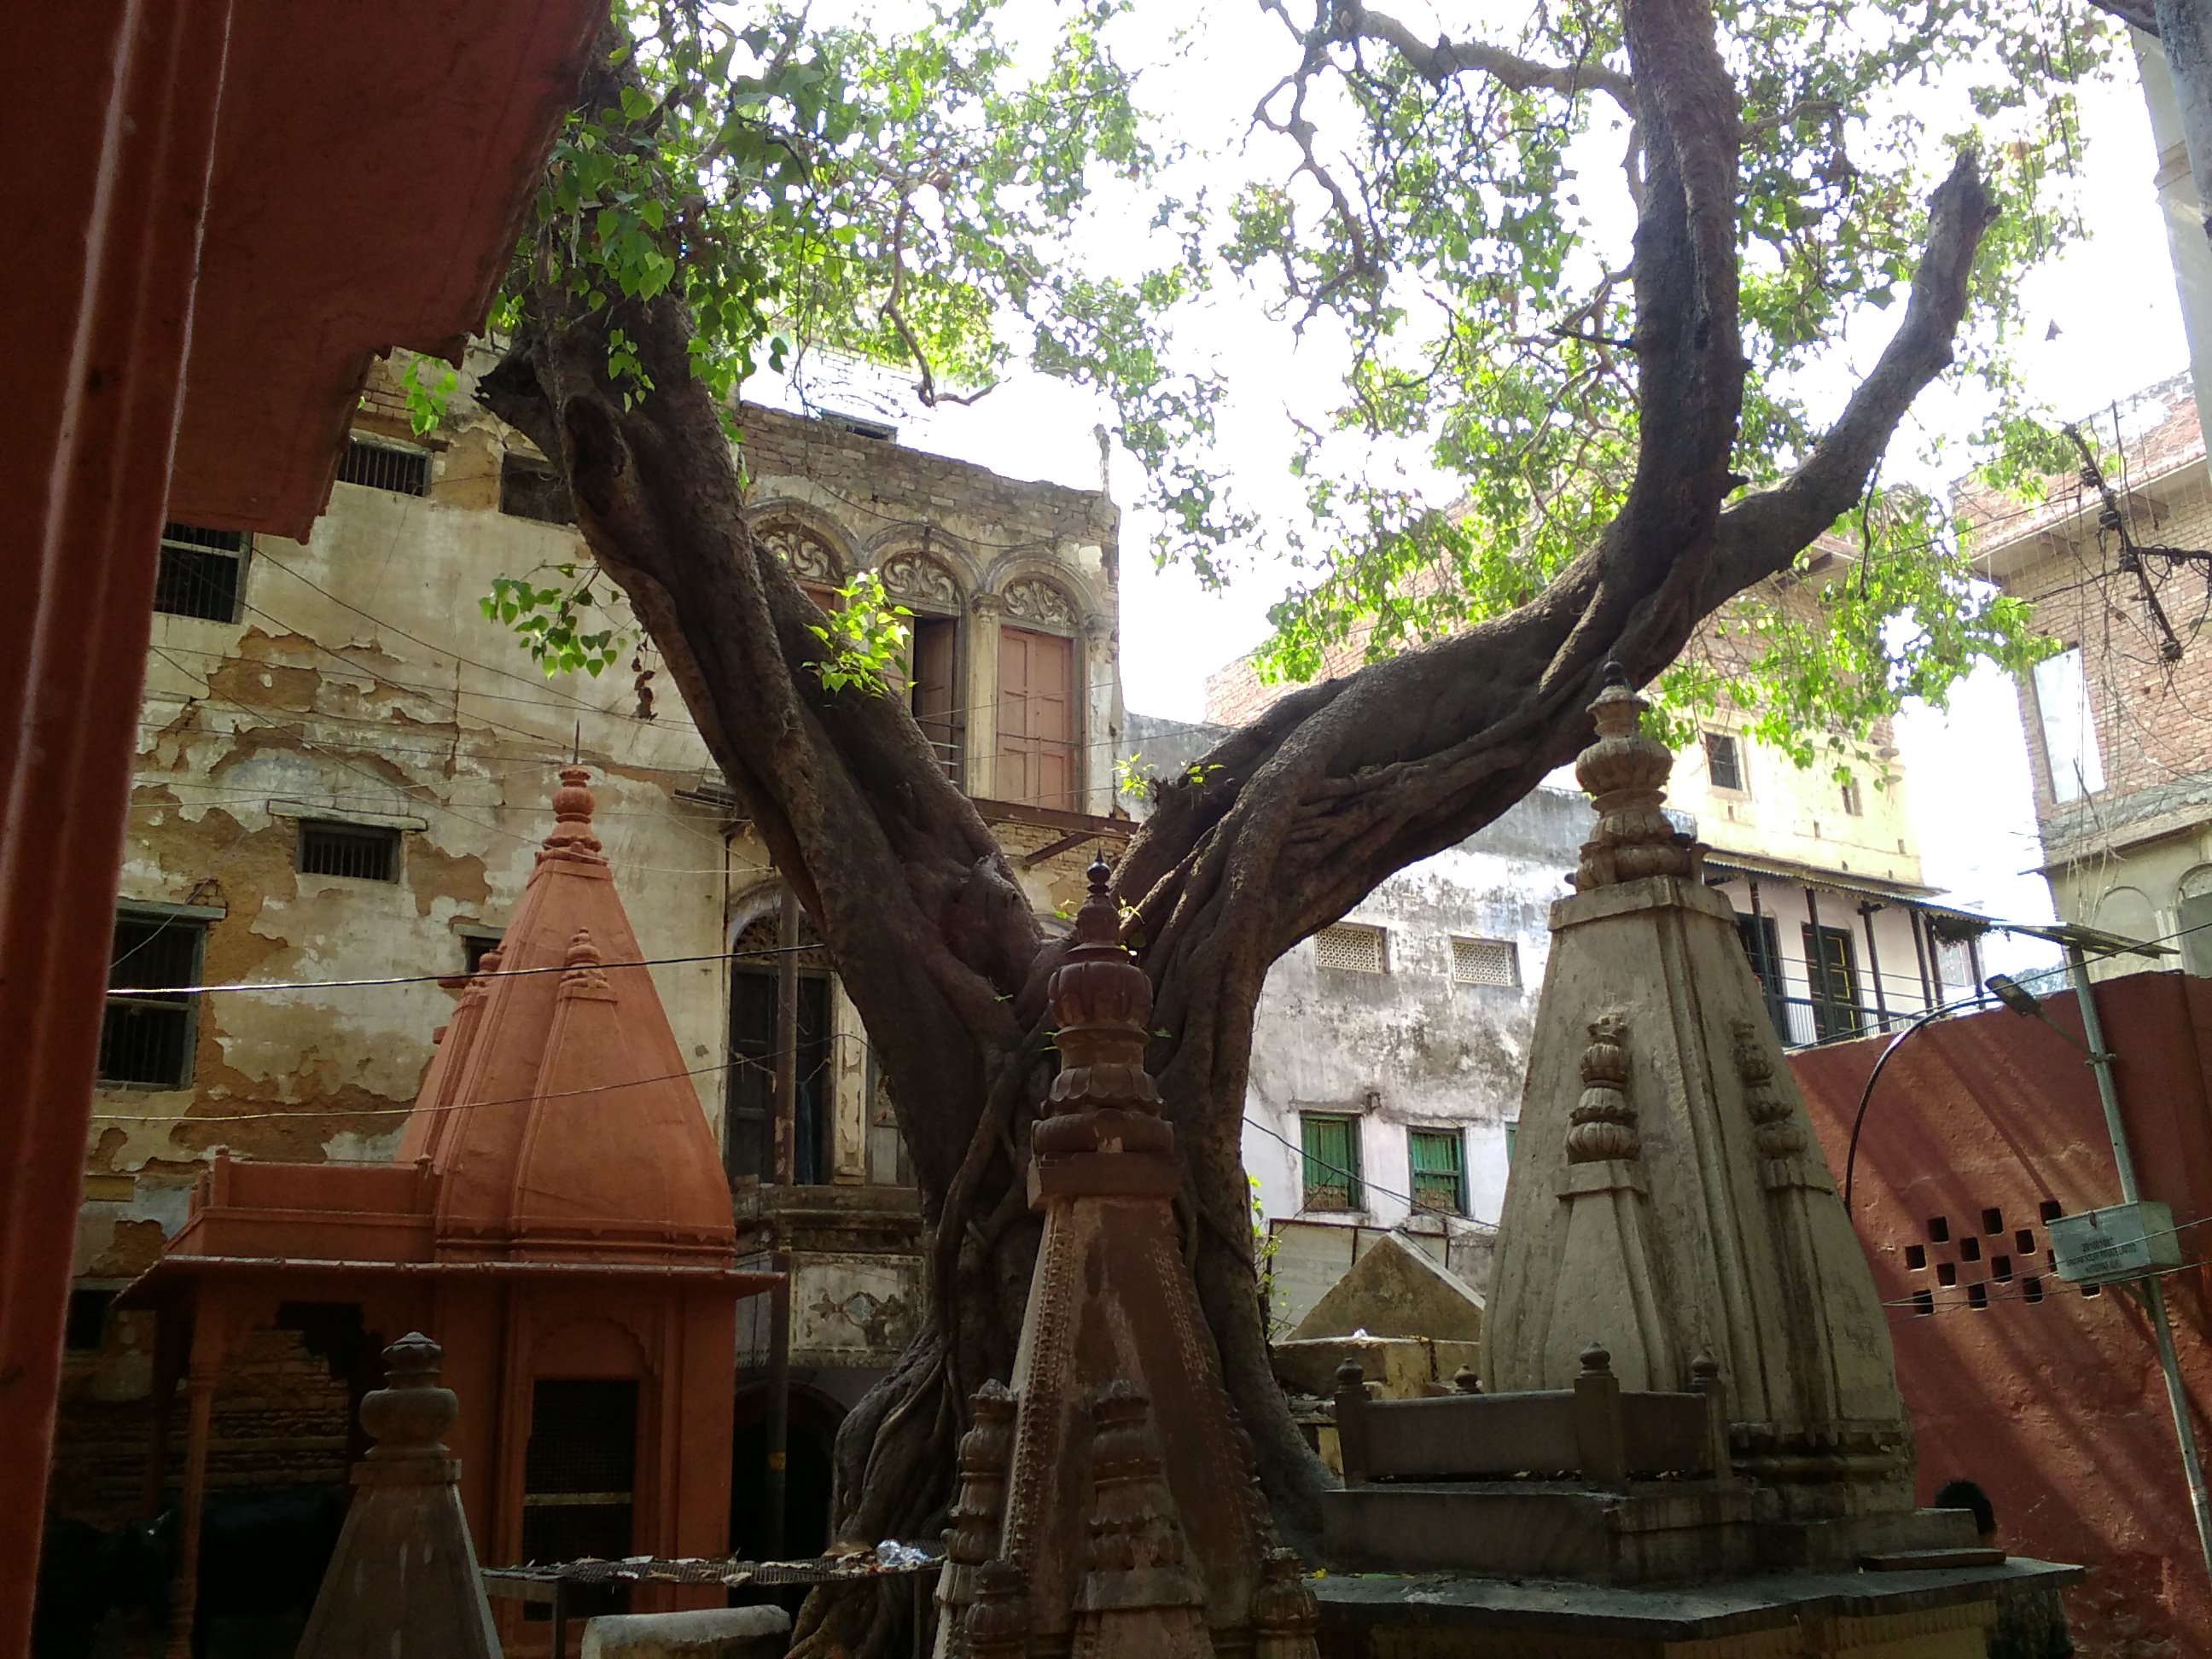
[1801,1022]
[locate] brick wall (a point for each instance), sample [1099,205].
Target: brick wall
[2153,736]
[280,1420]
[882,481]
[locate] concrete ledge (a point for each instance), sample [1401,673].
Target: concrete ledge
[706,1633]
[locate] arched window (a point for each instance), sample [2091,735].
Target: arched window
[1040,702]
[928,589]
[748,1126]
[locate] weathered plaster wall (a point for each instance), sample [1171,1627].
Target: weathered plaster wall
[361,682]
[1408,1048]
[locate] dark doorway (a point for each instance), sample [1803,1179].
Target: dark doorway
[580,1476]
[808,1475]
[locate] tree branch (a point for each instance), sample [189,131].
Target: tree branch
[1439,61]
[1762,533]
[2135,13]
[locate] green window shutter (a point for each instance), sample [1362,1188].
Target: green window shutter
[1438,1170]
[1332,1161]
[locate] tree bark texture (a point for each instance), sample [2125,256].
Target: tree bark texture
[1297,817]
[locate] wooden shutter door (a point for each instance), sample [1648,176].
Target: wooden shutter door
[1036,718]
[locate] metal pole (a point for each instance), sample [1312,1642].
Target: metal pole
[779,1401]
[2154,1293]
[1873,964]
[778,1426]
[786,1041]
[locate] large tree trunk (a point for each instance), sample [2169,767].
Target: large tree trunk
[1299,815]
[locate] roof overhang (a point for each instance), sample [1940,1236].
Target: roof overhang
[373,161]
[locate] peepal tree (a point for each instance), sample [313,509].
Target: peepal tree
[1635,462]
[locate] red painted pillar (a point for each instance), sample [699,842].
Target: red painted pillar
[108,188]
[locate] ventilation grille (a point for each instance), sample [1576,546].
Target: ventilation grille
[361,851]
[1485,962]
[1350,948]
[403,472]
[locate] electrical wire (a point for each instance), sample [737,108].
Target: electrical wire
[442,979]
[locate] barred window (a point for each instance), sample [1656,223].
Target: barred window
[199,571]
[1724,761]
[1350,947]
[363,852]
[146,1039]
[1330,1142]
[403,472]
[1485,962]
[1438,1169]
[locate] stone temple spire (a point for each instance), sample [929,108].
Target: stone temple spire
[1666,1199]
[1133,1523]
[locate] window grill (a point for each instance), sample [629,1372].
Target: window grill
[579,1472]
[199,573]
[1439,1170]
[1350,947]
[1485,962]
[403,472]
[147,1040]
[1331,1144]
[357,851]
[1724,761]
[1854,803]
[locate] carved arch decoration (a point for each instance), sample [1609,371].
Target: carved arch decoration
[921,583]
[802,538]
[1035,602]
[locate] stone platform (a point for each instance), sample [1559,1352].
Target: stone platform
[1930,1613]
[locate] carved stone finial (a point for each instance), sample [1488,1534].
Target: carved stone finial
[1604,1124]
[1349,1376]
[986,1450]
[1597,1360]
[1286,1614]
[408,1414]
[1465,1380]
[584,963]
[1137,1544]
[1626,773]
[998,1623]
[1775,1129]
[572,836]
[1104,1098]
[1705,1371]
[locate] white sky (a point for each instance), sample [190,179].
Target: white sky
[2112,298]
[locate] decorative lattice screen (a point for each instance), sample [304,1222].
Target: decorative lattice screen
[1350,947]
[1485,962]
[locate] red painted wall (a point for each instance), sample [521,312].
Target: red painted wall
[2050,1399]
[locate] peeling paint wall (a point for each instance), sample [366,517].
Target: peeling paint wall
[1409,1048]
[358,684]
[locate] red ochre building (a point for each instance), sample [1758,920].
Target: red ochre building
[234,209]
[556,1215]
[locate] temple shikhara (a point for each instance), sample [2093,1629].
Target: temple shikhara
[556,1216]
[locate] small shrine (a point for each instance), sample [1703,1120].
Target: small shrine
[556,1215]
[1688,1428]
[1109,1502]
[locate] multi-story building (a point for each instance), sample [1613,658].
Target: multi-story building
[1388,1052]
[2118,745]
[342,783]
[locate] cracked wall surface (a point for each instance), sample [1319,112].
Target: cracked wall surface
[358,684]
